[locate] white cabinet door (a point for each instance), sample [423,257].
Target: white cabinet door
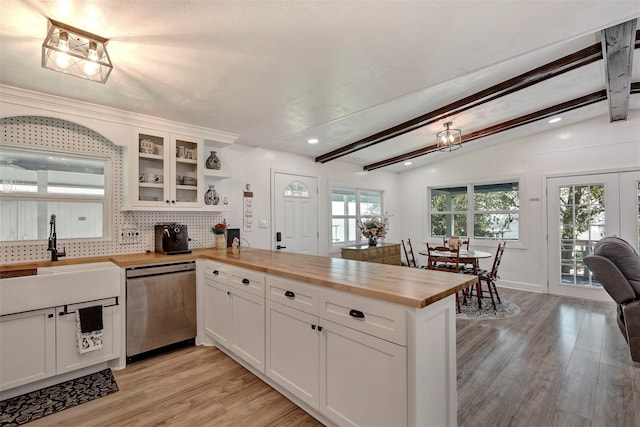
[68,358]
[217,315]
[165,171]
[363,378]
[247,327]
[27,347]
[293,351]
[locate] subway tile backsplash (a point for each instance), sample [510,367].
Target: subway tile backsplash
[64,136]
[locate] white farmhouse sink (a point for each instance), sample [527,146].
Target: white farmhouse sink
[60,285]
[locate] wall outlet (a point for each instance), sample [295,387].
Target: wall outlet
[129,234]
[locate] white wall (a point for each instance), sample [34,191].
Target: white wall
[255,166]
[590,146]
[247,165]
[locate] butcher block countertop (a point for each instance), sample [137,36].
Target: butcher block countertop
[411,287]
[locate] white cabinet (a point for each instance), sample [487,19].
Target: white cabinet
[67,356]
[293,351]
[42,343]
[235,311]
[346,371]
[363,378]
[165,172]
[27,347]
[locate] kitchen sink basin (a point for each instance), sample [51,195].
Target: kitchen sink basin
[60,285]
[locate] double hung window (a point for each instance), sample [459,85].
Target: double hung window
[350,206]
[36,184]
[483,211]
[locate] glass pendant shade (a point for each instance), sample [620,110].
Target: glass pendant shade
[449,139]
[73,51]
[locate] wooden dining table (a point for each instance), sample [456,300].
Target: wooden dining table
[466,257]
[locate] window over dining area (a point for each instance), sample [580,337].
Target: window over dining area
[349,206]
[35,184]
[482,211]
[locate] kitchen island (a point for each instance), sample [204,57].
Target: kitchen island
[352,343]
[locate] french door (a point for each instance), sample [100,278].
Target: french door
[580,211]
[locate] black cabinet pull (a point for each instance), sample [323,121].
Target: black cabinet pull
[289,294]
[319,328]
[356,313]
[61,313]
[50,316]
[216,272]
[228,293]
[245,281]
[313,327]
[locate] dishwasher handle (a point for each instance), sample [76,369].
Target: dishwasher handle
[154,270]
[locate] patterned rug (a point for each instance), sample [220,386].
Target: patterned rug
[503,310]
[27,407]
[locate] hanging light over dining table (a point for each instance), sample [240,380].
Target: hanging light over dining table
[449,139]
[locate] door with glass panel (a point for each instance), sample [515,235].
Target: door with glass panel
[581,210]
[295,213]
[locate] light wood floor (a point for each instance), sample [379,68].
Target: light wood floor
[562,362]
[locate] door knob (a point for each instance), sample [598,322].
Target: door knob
[280,247]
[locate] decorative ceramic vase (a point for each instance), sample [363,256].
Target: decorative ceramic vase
[213,161]
[211,196]
[221,241]
[373,241]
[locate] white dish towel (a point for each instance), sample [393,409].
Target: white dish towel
[88,341]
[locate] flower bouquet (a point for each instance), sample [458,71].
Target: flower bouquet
[219,231]
[373,229]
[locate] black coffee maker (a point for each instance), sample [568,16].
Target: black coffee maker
[172,239]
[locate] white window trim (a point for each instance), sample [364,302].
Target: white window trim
[470,212]
[358,216]
[107,216]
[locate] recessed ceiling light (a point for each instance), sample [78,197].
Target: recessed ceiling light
[407,163]
[555,120]
[313,141]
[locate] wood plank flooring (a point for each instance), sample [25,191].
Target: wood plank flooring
[561,362]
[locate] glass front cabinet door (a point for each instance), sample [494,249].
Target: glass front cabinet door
[168,169]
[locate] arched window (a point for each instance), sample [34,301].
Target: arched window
[296,189]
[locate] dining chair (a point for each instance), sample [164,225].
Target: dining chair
[442,258]
[408,255]
[490,277]
[465,243]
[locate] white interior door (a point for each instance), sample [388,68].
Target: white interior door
[580,211]
[630,207]
[295,201]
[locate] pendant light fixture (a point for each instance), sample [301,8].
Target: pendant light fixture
[73,51]
[449,139]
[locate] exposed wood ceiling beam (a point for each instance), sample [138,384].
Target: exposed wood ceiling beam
[567,63]
[501,127]
[618,44]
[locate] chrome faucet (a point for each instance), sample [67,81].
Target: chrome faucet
[53,241]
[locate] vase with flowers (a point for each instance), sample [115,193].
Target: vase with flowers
[219,231]
[373,229]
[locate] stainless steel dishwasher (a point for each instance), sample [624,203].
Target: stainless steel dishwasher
[161,308]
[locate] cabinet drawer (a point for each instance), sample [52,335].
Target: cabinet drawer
[293,294]
[377,318]
[393,260]
[247,280]
[390,250]
[371,253]
[217,272]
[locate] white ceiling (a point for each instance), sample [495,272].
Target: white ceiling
[279,73]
